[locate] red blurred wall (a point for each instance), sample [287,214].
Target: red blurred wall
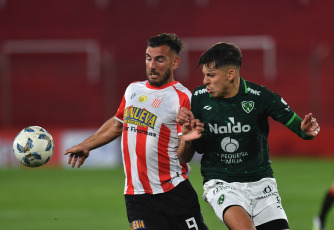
[53,90]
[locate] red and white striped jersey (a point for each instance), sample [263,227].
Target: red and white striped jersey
[150,137]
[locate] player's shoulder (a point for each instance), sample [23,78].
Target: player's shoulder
[256,89]
[137,83]
[181,88]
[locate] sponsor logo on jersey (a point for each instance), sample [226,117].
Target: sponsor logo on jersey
[207,107]
[283,101]
[267,192]
[191,223]
[138,116]
[133,95]
[200,91]
[232,158]
[137,224]
[221,186]
[247,106]
[230,127]
[134,129]
[287,106]
[229,145]
[142,98]
[267,189]
[255,92]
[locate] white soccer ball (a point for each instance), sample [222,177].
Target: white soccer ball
[33,146]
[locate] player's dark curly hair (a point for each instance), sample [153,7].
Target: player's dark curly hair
[168,39]
[221,54]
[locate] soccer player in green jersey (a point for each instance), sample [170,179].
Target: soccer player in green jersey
[228,124]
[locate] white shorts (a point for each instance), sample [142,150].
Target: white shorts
[260,199]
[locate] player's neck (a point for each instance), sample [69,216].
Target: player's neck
[233,88]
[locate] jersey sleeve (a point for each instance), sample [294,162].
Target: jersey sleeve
[199,144]
[120,111]
[281,112]
[195,105]
[295,126]
[184,102]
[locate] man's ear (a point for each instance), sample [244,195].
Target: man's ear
[176,63]
[231,74]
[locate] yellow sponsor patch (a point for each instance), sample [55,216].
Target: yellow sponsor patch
[140,117]
[137,224]
[142,98]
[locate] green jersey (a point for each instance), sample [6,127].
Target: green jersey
[235,141]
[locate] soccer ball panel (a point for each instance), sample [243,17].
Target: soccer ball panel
[33,146]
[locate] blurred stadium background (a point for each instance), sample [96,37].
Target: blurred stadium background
[64,65]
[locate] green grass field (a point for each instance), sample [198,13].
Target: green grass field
[85,199]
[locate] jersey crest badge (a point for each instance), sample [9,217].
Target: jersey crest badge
[156,102]
[247,106]
[221,199]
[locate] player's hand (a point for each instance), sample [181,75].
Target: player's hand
[184,115]
[78,155]
[310,125]
[192,130]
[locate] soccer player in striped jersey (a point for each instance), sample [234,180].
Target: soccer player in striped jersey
[158,194]
[238,179]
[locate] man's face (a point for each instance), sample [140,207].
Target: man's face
[160,65]
[217,81]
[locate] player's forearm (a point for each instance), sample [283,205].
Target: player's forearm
[108,132]
[295,126]
[185,151]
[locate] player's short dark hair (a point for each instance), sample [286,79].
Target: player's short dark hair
[221,54]
[169,39]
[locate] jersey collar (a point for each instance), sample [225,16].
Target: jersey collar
[148,85]
[243,90]
[243,87]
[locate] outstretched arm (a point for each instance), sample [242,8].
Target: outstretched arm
[108,132]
